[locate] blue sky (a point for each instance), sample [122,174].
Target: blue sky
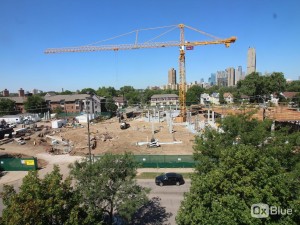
[28,27]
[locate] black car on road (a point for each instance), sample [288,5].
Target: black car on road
[169,179]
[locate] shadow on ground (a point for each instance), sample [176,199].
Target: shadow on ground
[152,213]
[2,173]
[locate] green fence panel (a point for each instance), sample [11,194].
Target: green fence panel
[18,164]
[165,161]
[69,114]
[162,161]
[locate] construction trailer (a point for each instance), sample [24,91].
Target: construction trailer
[12,119]
[32,117]
[84,118]
[58,123]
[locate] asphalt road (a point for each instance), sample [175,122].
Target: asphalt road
[162,208]
[164,203]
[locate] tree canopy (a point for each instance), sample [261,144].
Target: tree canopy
[107,92]
[7,106]
[110,105]
[293,86]
[66,92]
[257,86]
[35,104]
[193,95]
[244,164]
[108,186]
[86,90]
[42,201]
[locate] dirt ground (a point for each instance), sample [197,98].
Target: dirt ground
[109,138]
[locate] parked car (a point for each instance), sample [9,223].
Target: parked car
[169,179]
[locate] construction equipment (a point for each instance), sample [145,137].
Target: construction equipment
[182,44]
[124,125]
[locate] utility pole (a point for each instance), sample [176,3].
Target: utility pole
[88,99]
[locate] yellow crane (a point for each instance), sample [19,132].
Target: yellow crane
[182,44]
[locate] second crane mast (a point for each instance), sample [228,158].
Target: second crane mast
[181,44]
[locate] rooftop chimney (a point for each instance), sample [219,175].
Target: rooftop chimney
[5,93]
[21,93]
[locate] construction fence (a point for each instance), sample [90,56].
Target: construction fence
[162,161]
[69,114]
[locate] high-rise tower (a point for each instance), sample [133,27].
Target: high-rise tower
[251,61]
[239,74]
[172,77]
[230,76]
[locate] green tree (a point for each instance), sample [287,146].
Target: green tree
[108,186]
[86,90]
[296,99]
[66,92]
[253,85]
[42,201]
[107,92]
[131,95]
[35,104]
[58,110]
[276,83]
[259,87]
[193,95]
[293,86]
[110,105]
[238,168]
[146,97]
[213,89]
[126,89]
[7,106]
[221,96]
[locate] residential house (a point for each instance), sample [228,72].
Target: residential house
[120,101]
[245,98]
[204,99]
[289,95]
[164,99]
[215,98]
[19,103]
[19,100]
[228,97]
[76,103]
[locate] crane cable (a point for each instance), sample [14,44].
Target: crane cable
[131,32]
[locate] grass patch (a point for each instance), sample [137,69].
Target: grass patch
[152,175]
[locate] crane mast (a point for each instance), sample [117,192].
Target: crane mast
[181,44]
[182,79]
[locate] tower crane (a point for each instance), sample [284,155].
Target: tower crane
[182,44]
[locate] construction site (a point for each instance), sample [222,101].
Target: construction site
[139,135]
[152,132]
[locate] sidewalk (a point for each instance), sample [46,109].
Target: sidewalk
[165,170]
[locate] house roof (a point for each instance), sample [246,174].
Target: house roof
[289,94]
[18,100]
[205,95]
[50,93]
[245,96]
[215,95]
[165,96]
[227,95]
[68,98]
[119,99]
